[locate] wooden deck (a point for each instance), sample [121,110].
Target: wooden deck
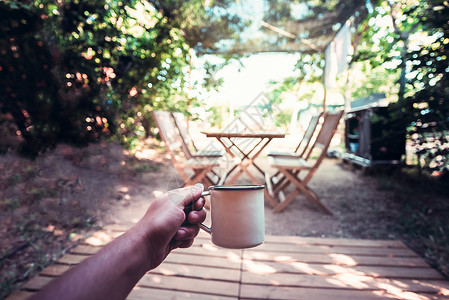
[283,267]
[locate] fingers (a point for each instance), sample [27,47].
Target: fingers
[199,204]
[195,194]
[187,233]
[183,244]
[196,216]
[182,197]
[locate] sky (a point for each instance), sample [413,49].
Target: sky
[243,84]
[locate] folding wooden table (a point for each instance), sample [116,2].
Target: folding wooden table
[245,156]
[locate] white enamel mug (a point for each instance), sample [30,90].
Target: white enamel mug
[237,215]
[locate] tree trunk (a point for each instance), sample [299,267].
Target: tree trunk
[402,79]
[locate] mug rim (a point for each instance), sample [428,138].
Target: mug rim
[233,187]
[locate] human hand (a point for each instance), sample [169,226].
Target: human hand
[112,272]
[164,225]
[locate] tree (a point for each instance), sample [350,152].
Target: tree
[74,71]
[305,27]
[428,107]
[309,69]
[298,26]
[387,33]
[410,36]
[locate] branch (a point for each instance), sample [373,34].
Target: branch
[412,29]
[283,32]
[393,18]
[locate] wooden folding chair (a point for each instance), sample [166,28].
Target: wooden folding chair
[292,167]
[201,166]
[300,150]
[188,145]
[305,140]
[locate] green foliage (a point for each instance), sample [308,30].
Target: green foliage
[282,118]
[424,213]
[429,106]
[368,80]
[217,115]
[308,70]
[402,54]
[386,35]
[75,71]
[314,23]
[47,84]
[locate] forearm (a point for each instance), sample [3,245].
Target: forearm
[114,270]
[109,274]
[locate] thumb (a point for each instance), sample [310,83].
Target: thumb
[182,197]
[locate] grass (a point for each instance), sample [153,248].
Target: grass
[424,211]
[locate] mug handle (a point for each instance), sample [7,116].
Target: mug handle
[202,226]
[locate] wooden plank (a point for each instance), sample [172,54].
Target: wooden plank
[141,293]
[266,267]
[208,249]
[218,262]
[268,184]
[371,251]
[84,249]
[20,295]
[201,272]
[282,197]
[290,267]
[37,283]
[244,134]
[72,259]
[201,246]
[220,257]
[116,227]
[203,236]
[298,240]
[55,270]
[101,238]
[282,268]
[169,269]
[295,293]
[288,162]
[337,259]
[347,281]
[186,284]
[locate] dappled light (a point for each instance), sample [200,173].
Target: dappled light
[150,154]
[341,259]
[337,269]
[336,111]
[166,272]
[155,279]
[99,238]
[209,247]
[350,280]
[401,295]
[443,288]
[258,267]
[233,257]
[258,255]
[157,193]
[306,268]
[283,258]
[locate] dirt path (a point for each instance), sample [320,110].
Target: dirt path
[360,209]
[47,205]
